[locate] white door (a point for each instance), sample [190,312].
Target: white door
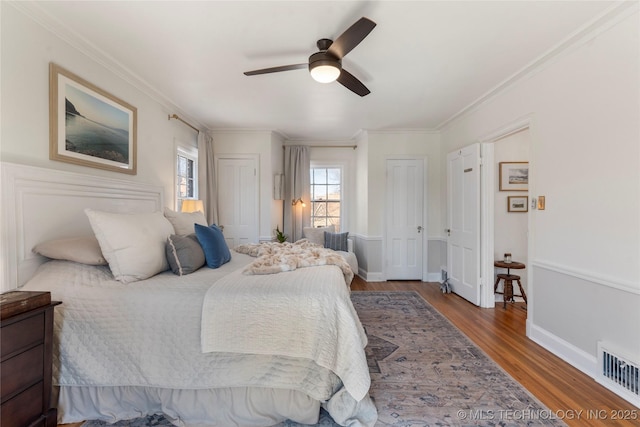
[463,207]
[238,200]
[405,213]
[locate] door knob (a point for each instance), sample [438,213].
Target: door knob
[419,228]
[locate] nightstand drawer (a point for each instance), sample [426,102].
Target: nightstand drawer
[24,408]
[22,371]
[21,335]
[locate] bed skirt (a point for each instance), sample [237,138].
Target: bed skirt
[238,406]
[242,406]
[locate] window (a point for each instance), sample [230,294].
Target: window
[326,196]
[186,174]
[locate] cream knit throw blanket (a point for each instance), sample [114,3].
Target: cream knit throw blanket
[275,257]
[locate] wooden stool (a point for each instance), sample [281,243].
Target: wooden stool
[508,287]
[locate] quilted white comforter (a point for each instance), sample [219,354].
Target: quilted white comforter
[148,333]
[305,313]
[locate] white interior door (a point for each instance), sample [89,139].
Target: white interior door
[405,215]
[238,200]
[463,207]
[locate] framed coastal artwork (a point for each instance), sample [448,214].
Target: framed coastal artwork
[514,176]
[88,126]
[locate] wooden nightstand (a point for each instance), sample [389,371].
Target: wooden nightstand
[26,343]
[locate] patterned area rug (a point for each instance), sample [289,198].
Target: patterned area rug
[425,372]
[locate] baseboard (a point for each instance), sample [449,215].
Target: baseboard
[434,277]
[571,354]
[371,277]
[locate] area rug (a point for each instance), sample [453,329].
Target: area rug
[425,372]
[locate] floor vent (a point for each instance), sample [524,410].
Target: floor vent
[619,373]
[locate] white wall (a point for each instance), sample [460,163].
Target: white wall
[277,167]
[585,158]
[265,144]
[383,145]
[26,50]
[361,197]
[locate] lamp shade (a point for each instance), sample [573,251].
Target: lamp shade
[192,205]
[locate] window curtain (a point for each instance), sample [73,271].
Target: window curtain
[207,188]
[296,172]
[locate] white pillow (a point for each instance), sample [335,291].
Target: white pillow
[316,235]
[85,250]
[133,244]
[183,222]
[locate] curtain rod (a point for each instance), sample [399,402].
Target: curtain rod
[324,146]
[175,116]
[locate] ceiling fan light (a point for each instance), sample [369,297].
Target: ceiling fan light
[325,73]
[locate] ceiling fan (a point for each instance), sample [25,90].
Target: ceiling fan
[325,65]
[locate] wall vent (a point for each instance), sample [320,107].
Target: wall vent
[619,373]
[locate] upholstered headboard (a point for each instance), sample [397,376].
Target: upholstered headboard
[41,204]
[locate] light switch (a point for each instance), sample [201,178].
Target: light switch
[541,203]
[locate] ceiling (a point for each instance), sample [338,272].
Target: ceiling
[425,62]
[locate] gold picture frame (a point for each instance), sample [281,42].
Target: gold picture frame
[514,176]
[88,126]
[518,204]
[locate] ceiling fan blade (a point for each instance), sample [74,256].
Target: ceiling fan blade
[276,69]
[351,37]
[348,80]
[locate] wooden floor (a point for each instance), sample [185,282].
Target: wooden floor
[567,392]
[501,334]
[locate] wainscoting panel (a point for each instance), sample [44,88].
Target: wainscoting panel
[369,253]
[570,314]
[436,258]
[370,256]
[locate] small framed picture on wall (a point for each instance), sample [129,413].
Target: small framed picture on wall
[514,176]
[518,204]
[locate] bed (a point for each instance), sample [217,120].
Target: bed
[219,346]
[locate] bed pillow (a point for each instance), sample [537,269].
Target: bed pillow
[184,254]
[85,250]
[336,241]
[216,251]
[316,235]
[183,221]
[132,244]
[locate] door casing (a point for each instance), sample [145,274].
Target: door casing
[487,206]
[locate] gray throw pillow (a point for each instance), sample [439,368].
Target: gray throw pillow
[184,254]
[336,241]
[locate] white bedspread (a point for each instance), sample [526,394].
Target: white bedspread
[148,333]
[309,316]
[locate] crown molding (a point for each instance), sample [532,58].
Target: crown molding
[426,131]
[37,14]
[587,32]
[215,131]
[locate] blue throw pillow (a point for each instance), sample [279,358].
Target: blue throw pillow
[336,241]
[216,251]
